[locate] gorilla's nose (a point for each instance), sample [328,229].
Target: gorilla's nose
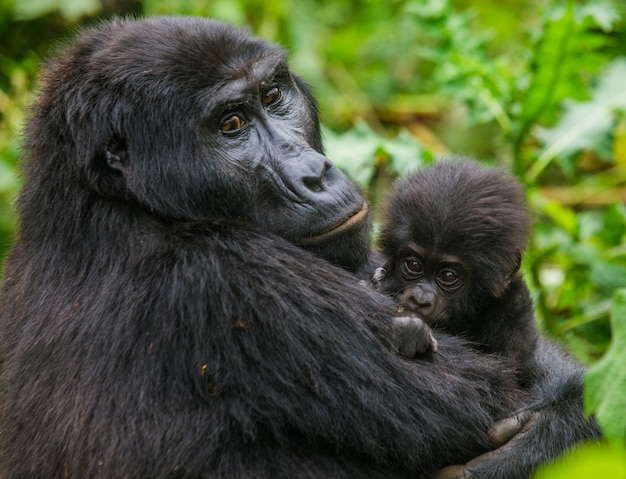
[310,172]
[315,180]
[418,299]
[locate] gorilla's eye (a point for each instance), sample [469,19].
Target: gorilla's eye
[272,96]
[232,124]
[413,267]
[448,278]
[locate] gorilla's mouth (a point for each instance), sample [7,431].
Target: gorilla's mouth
[338,228]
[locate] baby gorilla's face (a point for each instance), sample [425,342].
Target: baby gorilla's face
[430,284]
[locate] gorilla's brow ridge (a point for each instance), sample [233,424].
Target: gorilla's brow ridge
[241,84]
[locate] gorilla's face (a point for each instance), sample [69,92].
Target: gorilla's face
[193,122]
[263,123]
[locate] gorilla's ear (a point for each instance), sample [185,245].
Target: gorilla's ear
[511,274]
[518,265]
[116,154]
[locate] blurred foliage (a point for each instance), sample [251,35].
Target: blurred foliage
[605,461]
[605,393]
[535,86]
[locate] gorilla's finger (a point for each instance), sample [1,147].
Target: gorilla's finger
[504,430]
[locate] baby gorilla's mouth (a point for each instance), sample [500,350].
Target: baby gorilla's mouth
[345,224]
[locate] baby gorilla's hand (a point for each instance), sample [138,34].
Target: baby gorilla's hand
[413,336]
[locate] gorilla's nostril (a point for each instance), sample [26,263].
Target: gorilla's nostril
[312,183]
[315,182]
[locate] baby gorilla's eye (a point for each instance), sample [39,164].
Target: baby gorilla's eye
[448,278]
[413,266]
[272,96]
[232,124]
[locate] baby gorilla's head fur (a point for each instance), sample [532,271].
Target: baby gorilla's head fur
[457,229]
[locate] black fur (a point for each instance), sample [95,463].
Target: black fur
[557,421]
[158,319]
[458,216]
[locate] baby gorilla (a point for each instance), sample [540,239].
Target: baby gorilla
[452,240]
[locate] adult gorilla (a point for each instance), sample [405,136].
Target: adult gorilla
[158,319]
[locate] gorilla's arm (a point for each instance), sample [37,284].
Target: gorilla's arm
[294,356]
[218,350]
[554,423]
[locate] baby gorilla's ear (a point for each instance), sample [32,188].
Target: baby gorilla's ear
[515,269]
[116,154]
[519,261]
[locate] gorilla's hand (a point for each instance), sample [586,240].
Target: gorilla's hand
[413,336]
[500,434]
[505,429]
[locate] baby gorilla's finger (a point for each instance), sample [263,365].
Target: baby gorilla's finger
[414,336]
[434,346]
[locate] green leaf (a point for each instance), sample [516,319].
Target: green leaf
[359,151]
[71,9]
[604,14]
[605,381]
[579,129]
[353,152]
[584,122]
[600,461]
[405,153]
[614,229]
[564,217]
[607,276]
[549,58]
